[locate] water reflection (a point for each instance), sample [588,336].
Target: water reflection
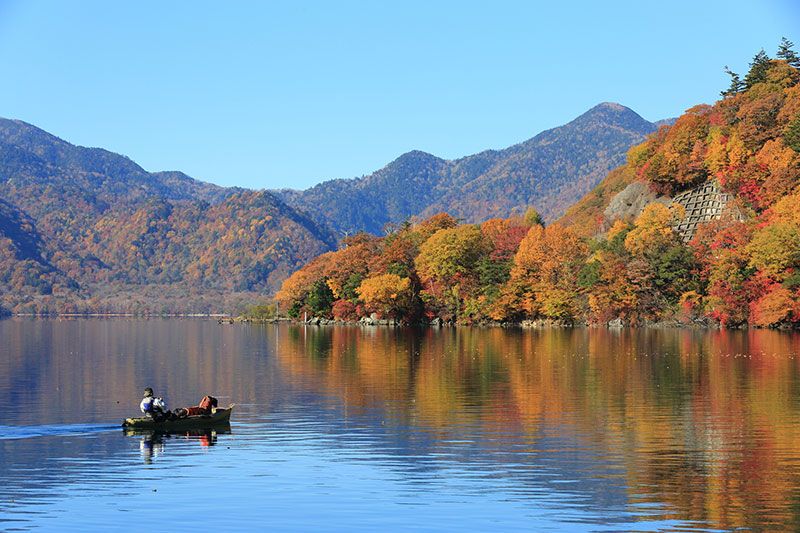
[701,426]
[594,429]
[152,442]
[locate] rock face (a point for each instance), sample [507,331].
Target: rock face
[631,201]
[702,204]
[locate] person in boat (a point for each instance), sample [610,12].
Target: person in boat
[153,406]
[205,407]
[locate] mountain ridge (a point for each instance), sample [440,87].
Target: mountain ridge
[85,229]
[468,186]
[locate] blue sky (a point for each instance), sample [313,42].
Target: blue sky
[268,95]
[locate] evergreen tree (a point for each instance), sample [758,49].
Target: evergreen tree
[787,53]
[736,85]
[758,69]
[791,136]
[320,298]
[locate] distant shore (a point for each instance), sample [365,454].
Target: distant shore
[117,315]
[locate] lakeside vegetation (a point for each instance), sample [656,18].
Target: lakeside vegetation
[736,270]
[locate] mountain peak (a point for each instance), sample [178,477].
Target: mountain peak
[549,171]
[413,161]
[414,156]
[613,106]
[27,135]
[610,109]
[614,114]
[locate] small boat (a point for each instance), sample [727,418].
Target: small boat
[219,416]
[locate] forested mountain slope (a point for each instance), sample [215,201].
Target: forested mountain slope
[549,172]
[633,264]
[85,229]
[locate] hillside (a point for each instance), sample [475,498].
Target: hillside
[84,229]
[700,226]
[549,171]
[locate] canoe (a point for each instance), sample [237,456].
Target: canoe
[219,416]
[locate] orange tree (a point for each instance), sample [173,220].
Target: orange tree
[544,278]
[387,295]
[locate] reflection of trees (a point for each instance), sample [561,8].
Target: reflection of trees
[705,422]
[67,371]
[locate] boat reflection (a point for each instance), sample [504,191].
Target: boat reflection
[152,442]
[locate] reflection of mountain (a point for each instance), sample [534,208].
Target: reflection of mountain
[590,420]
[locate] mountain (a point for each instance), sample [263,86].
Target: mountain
[549,172]
[85,229]
[701,225]
[31,157]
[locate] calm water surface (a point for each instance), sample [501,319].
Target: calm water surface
[352,429]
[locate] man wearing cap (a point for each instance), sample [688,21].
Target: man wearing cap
[152,406]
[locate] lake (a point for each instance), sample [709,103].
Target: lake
[365,429]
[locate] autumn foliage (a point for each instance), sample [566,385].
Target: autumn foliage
[741,268]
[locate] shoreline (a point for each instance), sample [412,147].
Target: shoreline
[525,324]
[224,318]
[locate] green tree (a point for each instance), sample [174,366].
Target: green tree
[736,85]
[673,272]
[261,311]
[758,69]
[320,298]
[492,275]
[787,53]
[791,135]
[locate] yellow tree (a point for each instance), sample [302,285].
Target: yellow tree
[653,229]
[386,294]
[775,247]
[446,266]
[544,279]
[613,295]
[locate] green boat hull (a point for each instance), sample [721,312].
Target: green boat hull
[219,417]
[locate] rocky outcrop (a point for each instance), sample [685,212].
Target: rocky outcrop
[549,323]
[702,204]
[617,323]
[631,201]
[373,320]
